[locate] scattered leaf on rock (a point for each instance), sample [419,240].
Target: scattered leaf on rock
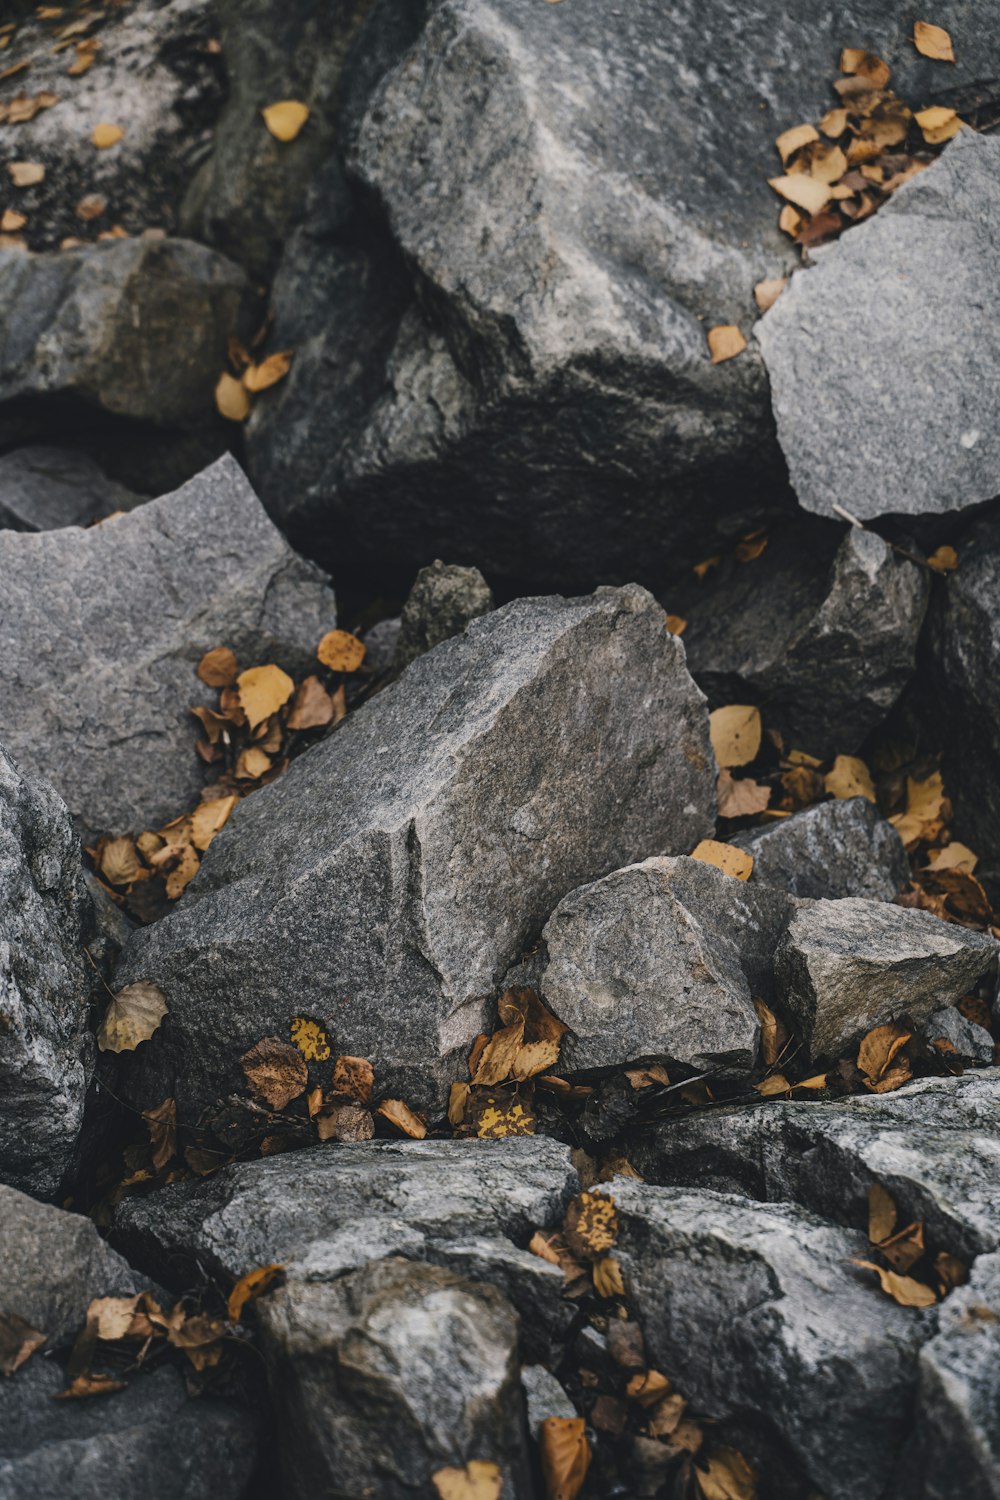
[736,733]
[106,134]
[353,1077]
[18,1342]
[311,1038]
[877,1053]
[499,1115]
[728,1476]
[209,818]
[905,1290]
[231,398]
[275,1071]
[790,141]
[725,341]
[881,1214]
[263,690]
[767,292]
[119,862]
[741,799]
[132,1017]
[849,777]
[726,857]
[341,651]
[773,1033]
[933,41]
[591,1225]
[804,192]
[943,560]
[285,118]
[403,1117]
[938,124]
[270,370]
[25,173]
[218,667]
[565,1454]
[608,1277]
[253,1284]
[161,1123]
[478,1480]
[312,707]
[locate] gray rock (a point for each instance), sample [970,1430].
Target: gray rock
[545,1397]
[838,848]
[389,1374]
[440,604]
[820,632]
[101,632]
[933,1144]
[850,336]
[966,1042]
[46,1052]
[660,960]
[846,966]
[380,645]
[42,489]
[387,881]
[753,1309]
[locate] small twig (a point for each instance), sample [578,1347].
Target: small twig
[921,562]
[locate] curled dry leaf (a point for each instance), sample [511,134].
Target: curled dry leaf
[865,65]
[938,124]
[804,192]
[943,560]
[541,1032]
[11,221]
[161,1123]
[767,292]
[458,1099]
[790,141]
[676,624]
[736,734]
[270,370]
[106,134]
[341,651]
[209,818]
[881,1214]
[25,173]
[925,810]
[954,856]
[725,341]
[726,857]
[879,1048]
[773,1033]
[774,1085]
[727,1476]
[608,1277]
[18,1342]
[251,1285]
[905,1290]
[218,667]
[849,777]
[478,1480]
[312,706]
[89,1385]
[403,1117]
[933,41]
[132,1017]
[252,763]
[183,872]
[311,1038]
[565,1454]
[275,1071]
[231,400]
[285,118]
[263,690]
[120,863]
[354,1078]
[741,799]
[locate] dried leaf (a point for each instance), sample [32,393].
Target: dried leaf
[736,733]
[25,173]
[649,1388]
[341,651]
[119,862]
[805,192]
[834,123]
[902,1289]
[542,1032]
[773,1085]
[767,292]
[403,1117]
[904,1249]
[312,706]
[275,1071]
[752,547]
[850,777]
[497,1116]
[790,221]
[106,134]
[18,1342]
[676,624]
[132,1017]
[726,857]
[925,807]
[478,1480]
[209,818]
[353,1077]
[725,341]
[183,872]
[965,896]
[954,856]
[218,667]
[542,1247]
[270,370]
[790,141]
[741,799]
[645,1078]
[591,1225]
[251,1285]
[943,560]
[608,1277]
[951,1272]
[90,1385]
[346,1121]
[565,1454]
[252,763]
[311,1038]
[263,690]
[879,1047]
[881,1214]
[938,124]
[865,65]
[11,221]
[200,1338]
[231,400]
[933,41]
[458,1098]
[496,1061]
[773,1033]
[728,1477]
[285,118]
[161,1123]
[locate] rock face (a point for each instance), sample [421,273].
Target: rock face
[441,603]
[117,740]
[958,1037]
[821,634]
[149,1439]
[753,1308]
[386,882]
[42,489]
[46,1053]
[655,961]
[390,1374]
[850,335]
[846,966]
[837,848]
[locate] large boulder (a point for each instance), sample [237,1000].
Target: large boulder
[843,847]
[851,335]
[547,224]
[384,885]
[46,1052]
[42,489]
[101,632]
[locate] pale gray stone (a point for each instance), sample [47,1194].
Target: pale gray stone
[440,604]
[887,326]
[101,632]
[42,489]
[545,1397]
[385,883]
[846,966]
[843,847]
[969,1043]
[380,645]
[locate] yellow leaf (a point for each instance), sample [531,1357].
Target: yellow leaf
[726,857]
[133,1015]
[879,1047]
[112,1317]
[933,42]
[649,1388]
[498,1116]
[218,667]
[458,1098]
[565,1455]
[263,690]
[725,341]
[735,732]
[403,1117]
[944,560]
[26,173]
[767,292]
[252,763]
[902,1289]
[183,872]
[353,1078]
[608,1278]
[591,1225]
[741,799]
[285,118]
[805,192]
[728,1477]
[954,856]
[231,400]
[790,221]
[773,1033]
[208,818]
[776,1084]
[790,141]
[11,221]
[865,65]
[311,1038]
[496,1061]
[676,624]
[478,1480]
[105,134]
[850,777]
[925,801]
[268,372]
[881,1214]
[341,651]
[834,123]
[249,1286]
[938,124]
[275,1071]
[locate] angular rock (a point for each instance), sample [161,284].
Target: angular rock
[386,882]
[46,917]
[958,1038]
[659,960]
[753,1309]
[837,848]
[440,604]
[43,489]
[380,645]
[389,1374]
[846,966]
[150,1439]
[545,1397]
[101,632]
[850,335]
[820,632]
[934,1145]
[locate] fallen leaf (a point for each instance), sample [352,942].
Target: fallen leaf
[767,292]
[183,872]
[904,1249]
[645,1078]
[740,799]
[850,777]
[727,1477]
[954,856]
[18,1342]
[951,1271]
[353,1077]
[263,690]
[312,706]
[752,547]
[925,806]
[251,1285]
[403,1117]
[881,1214]
[161,1123]
[933,41]
[726,857]
[542,1032]
[497,1116]
[773,1033]
[346,1121]
[105,134]
[542,1247]
[701,570]
[902,1289]
[218,667]
[25,173]
[458,1098]
[112,1317]
[275,1071]
[200,1338]
[865,65]
[285,118]
[790,141]
[725,341]
[834,123]
[132,1017]
[231,399]
[341,651]
[209,818]
[252,763]
[270,370]
[311,1038]
[879,1048]
[804,192]
[591,1225]
[735,733]
[648,1388]
[938,124]
[81,63]
[943,560]
[608,1277]
[11,221]
[965,896]
[790,221]
[496,1061]
[478,1480]
[676,624]
[119,862]
[90,1385]
[773,1085]
[565,1455]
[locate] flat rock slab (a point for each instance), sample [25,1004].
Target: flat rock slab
[900,295]
[384,885]
[839,848]
[42,489]
[101,632]
[846,966]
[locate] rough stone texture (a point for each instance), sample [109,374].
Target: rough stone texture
[538,397]
[101,632]
[150,1440]
[965,1041]
[820,632]
[46,1053]
[846,966]
[389,1374]
[42,489]
[857,333]
[440,604]
[545,1397]
[934,1145]
[385,883]
[838,848]
[753,1309]
[380,645]
[659,960]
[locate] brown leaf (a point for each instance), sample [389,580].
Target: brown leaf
[790,221]
[275,1071]
[608,1277]
[25,173]
[726,857]
[965,896]
[954,856]
[312,706]
[943,560]
[90,1385]
[285,118]
[132,1017]
[892,1079]
[925,810]
[270,370]
[200,1338]
[106,134]
[865,65]
[184,871]
[902,1289]
[341,651]
[477,1480]
[209,818]
[772,1086]
[649,1388]
[354,1077]
[497,1115]
[879,1047]
[542,1247]
[218,667]
[251,1285]
[119,861]
[676,624]
[161,1123]
[767,292]
[403,1117]
[881,1214]
[790,141]
[11,221]
[727,1477]
[565,1454]
[773,1033]
[346,1121]
[231,399]
[933,41]
[741,799]
[458,1098]
[850,777]
[725,341]
[496,1060]
[904,1249]
[804,192]
[951,1272]
[262,691]
[542,1032]
[252,763]
[644,1078]
[735,732]
[938,124]
[18,1342]
[591,1225]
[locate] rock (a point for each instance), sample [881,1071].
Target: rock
[149,1439]
[386,882]
[754,1310]
[850,335]
[834,849]
[654,961]
[122,343]
[846,966]
[389,1374]
[43,489]
[46,1051]
[542,234]
[933,1144]
[959,1038]
[820,632]
[545,1397]
[200,568]
[440,604]
[380,645]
